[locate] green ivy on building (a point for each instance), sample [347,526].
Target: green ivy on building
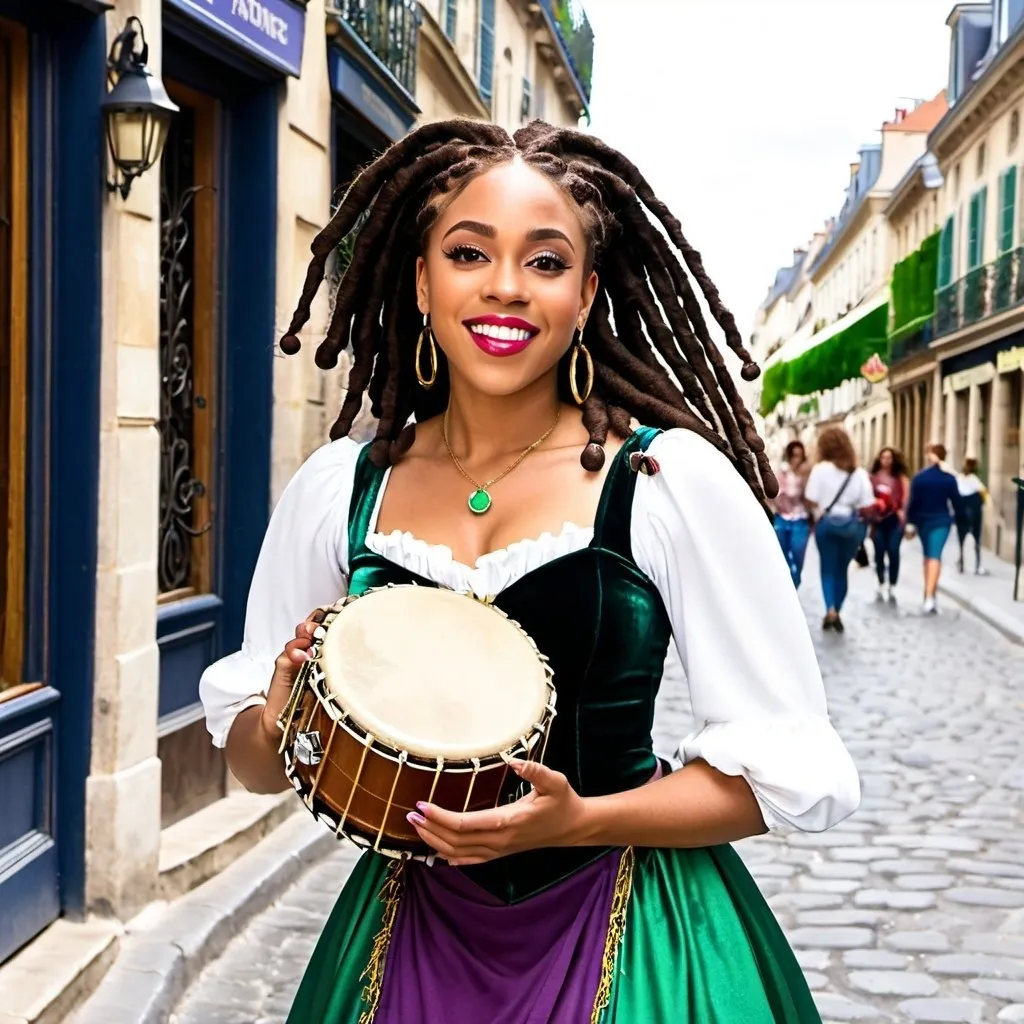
[827,365]
[912,290]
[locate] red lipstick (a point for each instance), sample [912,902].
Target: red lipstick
[501,335]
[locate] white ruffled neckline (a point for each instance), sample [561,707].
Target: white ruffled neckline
[493,572]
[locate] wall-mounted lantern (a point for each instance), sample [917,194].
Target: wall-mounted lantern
[137,110]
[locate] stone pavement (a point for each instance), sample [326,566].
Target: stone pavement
[912,910]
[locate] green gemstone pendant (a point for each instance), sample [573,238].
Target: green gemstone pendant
[479,502]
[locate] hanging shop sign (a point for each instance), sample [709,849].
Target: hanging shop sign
[874,370]
[272,31]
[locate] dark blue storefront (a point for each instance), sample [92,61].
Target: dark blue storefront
[54,56]
[224,64]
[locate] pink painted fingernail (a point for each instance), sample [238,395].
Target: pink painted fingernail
[421,805]
[415,819]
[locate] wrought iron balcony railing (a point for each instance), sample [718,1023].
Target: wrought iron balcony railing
[904,348]
[572,27]
[981,293]
[390,28]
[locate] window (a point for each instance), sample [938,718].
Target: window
[486,76]
[188,347]
[956,182]
[980,171]
[946,254]
[1008,209]
[451,13]
[1014,12]
[1014,130]
[976,229]
[524,112]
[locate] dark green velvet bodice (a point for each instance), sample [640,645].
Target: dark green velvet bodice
[605,631]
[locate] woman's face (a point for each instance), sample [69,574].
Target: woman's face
[502,277]
[885,460]
[797,455]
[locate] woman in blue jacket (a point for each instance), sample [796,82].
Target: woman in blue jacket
[934,503]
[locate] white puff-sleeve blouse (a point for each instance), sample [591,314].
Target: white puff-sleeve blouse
[756,692]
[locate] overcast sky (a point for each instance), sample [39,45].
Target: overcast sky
[745,114]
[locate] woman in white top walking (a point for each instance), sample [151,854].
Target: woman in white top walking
[974,494]
[838,492]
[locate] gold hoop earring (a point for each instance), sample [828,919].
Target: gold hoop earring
[577,349]
[426,382]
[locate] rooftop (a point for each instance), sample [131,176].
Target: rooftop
[923,119]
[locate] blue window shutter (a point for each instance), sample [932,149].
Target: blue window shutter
[450,16]
[486,49]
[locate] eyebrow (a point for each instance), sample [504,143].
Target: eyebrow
[490,231]
[487,230]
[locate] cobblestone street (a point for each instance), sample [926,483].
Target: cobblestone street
[912,910]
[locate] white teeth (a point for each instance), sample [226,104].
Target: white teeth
[501,333]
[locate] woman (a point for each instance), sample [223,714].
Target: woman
[934,503]
[973,495]
[531,259]
[792,525]
[891,483]
[840,495]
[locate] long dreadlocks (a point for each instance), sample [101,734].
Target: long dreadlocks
[645,317]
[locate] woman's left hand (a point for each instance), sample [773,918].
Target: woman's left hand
[552,814]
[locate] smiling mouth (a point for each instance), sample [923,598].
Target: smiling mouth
[501,339]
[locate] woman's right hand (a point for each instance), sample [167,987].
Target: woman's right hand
[286,668]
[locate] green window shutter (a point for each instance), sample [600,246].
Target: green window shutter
[976,226]
[945,267]
[982,219]
[450,14]
[946,254]
[486,49]
[1009,211]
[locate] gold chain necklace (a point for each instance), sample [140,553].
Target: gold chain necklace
[480,500]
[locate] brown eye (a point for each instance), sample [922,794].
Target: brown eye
[548,262]
[465,254]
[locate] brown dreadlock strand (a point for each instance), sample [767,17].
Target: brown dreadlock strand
[654,357]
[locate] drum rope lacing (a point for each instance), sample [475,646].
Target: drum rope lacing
[480,500]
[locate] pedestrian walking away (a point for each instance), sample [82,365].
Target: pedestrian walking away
[840,494]
[487,301]
[973,498]
[792,520]
[891,483]
[933,505]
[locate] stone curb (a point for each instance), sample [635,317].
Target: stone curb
[158,962]
[1007,625]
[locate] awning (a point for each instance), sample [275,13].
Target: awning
[801,343]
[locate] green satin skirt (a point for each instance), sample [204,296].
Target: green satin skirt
[700,946]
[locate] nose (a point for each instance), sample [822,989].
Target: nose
[506,283]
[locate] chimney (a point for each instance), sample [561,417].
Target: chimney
[901,114]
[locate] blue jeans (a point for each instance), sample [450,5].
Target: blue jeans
[793,536]
[887,537]
[838,540]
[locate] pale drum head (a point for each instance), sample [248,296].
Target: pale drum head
[434,673]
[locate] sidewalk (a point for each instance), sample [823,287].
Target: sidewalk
[989,597]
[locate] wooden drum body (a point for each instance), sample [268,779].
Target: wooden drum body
[412,693]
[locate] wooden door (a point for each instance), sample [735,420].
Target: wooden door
[29,883]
